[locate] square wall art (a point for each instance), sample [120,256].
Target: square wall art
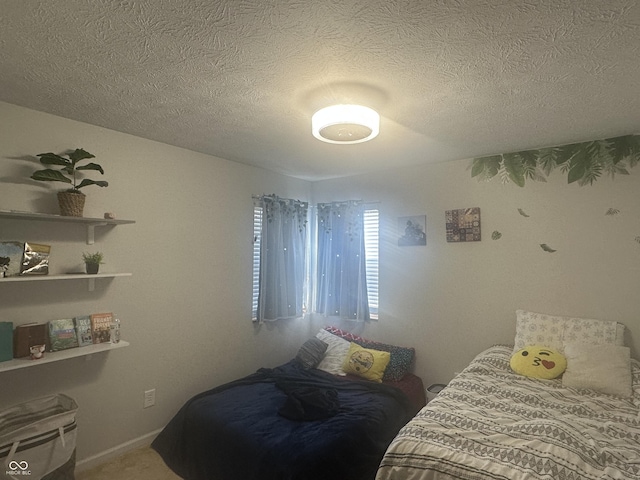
[463,225]
[412,230]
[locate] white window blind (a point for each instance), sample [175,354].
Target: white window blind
[257,232]
[371,247]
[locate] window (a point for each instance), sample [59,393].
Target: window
[281,246]
[371,240]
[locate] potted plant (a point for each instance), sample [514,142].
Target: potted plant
[92,261]
[71,201]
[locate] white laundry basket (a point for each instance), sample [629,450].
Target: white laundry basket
[37,437]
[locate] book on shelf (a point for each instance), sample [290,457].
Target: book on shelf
[35,260]
[101,327]
[22,258]
[83,330]
[6,341]
[11,258]
[27,336]
[62,334]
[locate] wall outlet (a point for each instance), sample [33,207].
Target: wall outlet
[149,398]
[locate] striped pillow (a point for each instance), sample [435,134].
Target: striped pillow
[311,353]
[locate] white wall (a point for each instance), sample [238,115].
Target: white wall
[451,300]
[186,310]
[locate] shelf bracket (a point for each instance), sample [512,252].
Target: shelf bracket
[91,232]
[92,284]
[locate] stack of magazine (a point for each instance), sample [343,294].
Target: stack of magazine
[79,331]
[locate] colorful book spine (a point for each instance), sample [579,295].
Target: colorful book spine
[83,330]
[62,334]
[101,327]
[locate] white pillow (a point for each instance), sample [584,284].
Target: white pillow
[538,329]
[605,368]
[594,332]
[555,331]
[337,349]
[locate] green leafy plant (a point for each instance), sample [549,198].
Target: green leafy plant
[68,173]
[582,162]
[94,258]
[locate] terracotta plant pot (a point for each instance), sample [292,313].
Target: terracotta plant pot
[92,268]
[71,203]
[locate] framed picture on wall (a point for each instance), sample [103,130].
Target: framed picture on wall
[463,225]
[412,230]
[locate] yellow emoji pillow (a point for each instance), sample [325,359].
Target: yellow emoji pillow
[366,363]
[538,362]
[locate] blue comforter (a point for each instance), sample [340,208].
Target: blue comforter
[242,430]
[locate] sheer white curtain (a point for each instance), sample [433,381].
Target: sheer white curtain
[341,281]
[282,258]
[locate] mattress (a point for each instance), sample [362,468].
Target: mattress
[245,430]
[491,423]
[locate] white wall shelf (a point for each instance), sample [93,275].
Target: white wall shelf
[49,357]
[70,276]
[90,223]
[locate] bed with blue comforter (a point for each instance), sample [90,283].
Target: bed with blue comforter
[285,423]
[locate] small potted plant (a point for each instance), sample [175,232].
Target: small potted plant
[92,261]
[71,201]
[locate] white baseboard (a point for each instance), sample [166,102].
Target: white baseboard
[102,457]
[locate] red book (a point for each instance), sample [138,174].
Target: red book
[101,327]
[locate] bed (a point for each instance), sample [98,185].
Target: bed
[292,422]
[492,423]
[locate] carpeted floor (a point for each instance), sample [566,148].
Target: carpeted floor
[141,464]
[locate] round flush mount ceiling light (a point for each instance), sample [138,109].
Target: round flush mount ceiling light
[345,124]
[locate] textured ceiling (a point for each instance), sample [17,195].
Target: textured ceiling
[452,79]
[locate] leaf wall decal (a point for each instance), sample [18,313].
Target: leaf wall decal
[513,166]
[521,212]
[612,211]
[584,163]
[623,147]
[486,167]
[496,235]
[547,160]
[546,248]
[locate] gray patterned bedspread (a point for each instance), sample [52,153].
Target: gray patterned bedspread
[491,423]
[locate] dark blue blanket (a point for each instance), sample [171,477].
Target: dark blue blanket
[240,430]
